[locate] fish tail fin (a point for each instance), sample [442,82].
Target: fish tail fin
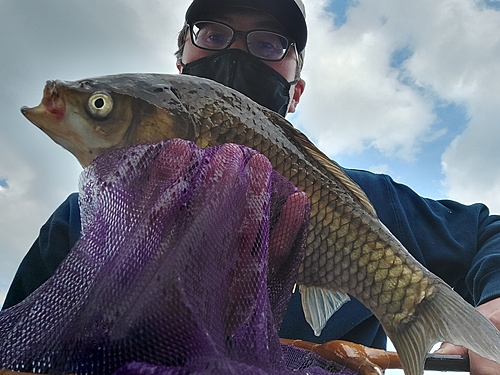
[444,317]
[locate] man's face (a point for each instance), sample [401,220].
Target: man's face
[245,19]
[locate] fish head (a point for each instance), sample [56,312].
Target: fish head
[82,121]
[89,117]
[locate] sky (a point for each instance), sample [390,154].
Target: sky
[410,89]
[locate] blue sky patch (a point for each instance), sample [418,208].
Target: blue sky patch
[339,9]
[3,183]
[424,174]
[400,56]
[495,4]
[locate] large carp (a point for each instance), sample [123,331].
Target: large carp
[349,251]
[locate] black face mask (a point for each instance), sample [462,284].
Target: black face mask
[245,73]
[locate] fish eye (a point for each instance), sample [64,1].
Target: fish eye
[100,104]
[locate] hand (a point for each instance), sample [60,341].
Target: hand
[478,364]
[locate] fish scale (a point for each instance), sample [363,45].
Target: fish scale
[340,226]
[348,249]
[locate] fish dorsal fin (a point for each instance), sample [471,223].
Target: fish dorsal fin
[320,304]
[330,166]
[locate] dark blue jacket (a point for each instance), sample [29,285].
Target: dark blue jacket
[459,243]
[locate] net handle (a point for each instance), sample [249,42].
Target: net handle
[366,360]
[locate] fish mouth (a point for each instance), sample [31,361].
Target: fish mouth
[52,106]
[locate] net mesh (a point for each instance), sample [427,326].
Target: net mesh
[185,265]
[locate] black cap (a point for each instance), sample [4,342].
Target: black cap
[290,13]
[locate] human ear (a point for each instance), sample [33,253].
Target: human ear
[296,93]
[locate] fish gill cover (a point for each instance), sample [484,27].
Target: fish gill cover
[172,274]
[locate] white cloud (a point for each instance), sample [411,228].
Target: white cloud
[3,294]
[62,40]
[461,65]
[355,99]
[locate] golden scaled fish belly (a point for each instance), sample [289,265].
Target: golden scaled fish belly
[349,251]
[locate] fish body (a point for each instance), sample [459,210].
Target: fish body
[348,251]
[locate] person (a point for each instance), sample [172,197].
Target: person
[257,47]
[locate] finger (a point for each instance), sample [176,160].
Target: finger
[259,174]
[482,366]
[284,232]
[447,348]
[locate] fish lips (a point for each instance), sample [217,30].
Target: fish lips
[51,109]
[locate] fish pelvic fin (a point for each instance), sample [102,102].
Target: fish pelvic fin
[320,304]
[444,317]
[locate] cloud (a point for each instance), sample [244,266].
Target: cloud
[358,97]
[354,97]
[466,71]
[461,66]
[58,39]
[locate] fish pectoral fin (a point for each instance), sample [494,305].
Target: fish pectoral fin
[444,316]
[320,304]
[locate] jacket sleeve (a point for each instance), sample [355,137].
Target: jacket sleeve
[459,243]
[57,237]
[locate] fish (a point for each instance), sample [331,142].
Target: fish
[349,252]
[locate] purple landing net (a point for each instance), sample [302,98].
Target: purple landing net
[185,266]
